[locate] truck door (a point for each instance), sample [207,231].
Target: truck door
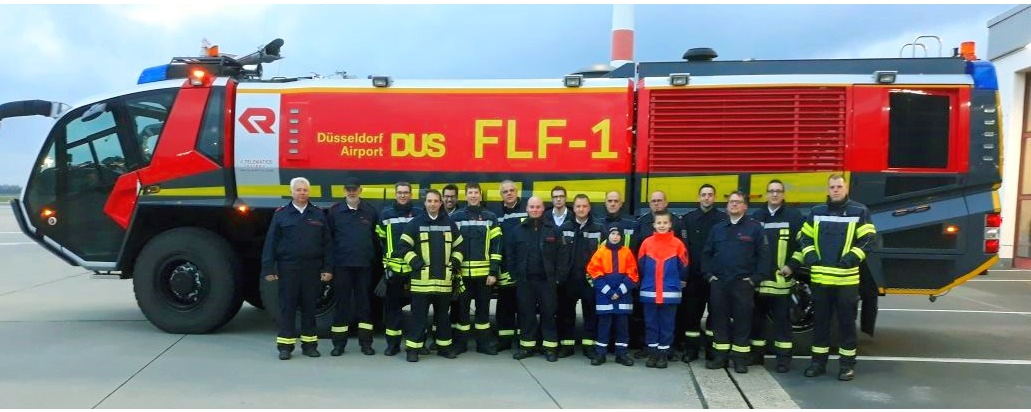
[85,154]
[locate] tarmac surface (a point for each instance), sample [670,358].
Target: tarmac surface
[76,342]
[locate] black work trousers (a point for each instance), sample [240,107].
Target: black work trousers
[505,315]
[731,303]
[537,297]
[476,292]
[688,332]
[415,336]
[393,309]
[829,301]
[299,287]
[352,292]
[778,309]
[569,293]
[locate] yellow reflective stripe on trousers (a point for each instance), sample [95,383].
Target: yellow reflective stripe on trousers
[286,341]
[393,332]
[413,344]
[549,344]
[309,339]
[567,342]
[692,334]
[820,350]
[482,326]
[741,349]
[846,352]
[363,325]
[506,332]
[462,327]
[587,342]
[443,342]
[756,342]
[338,329]
[782,345]
[527,343]
[721,346]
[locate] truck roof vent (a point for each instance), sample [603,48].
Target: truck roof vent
[700,54]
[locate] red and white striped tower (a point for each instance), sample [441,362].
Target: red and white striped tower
[622,34]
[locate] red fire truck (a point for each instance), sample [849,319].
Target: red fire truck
[172,184]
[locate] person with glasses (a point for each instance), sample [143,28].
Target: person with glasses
[735,260]
[781,224]
[697,224]
[644,228]
[450,193]
[558,211]
[393,220]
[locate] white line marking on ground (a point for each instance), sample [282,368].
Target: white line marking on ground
[762,390]
[717,390]
[1009,270]
[998,312]
[947,360]
[983,303]
[17,243]
[8,233]
[1000,280]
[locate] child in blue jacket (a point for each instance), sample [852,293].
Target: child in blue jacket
[614,273]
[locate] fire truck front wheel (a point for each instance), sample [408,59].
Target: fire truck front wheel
[186,281]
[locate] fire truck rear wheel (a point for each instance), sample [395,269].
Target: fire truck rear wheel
[186,281]
[324,308]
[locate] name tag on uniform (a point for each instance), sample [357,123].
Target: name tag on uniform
[314,222]
[744,238]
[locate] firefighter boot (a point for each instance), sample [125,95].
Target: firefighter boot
[413,355]
[447,352]
[590,352]
[815,369]
[690,349]
[846,373]
[624,360]
[783,364]
[284,351]
[393,345]
[522,353]
[309,350]
[653,360]
[756,356]
[338,347]
[485,343]
[718,361]
[365,341]
[642,353]
[566,351]
[662,359]
[598,360]
[740,364]
[461,342]
[551,355]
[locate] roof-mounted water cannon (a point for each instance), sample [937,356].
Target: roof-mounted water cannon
[215,64]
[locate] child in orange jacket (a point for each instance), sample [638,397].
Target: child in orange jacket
[613,270]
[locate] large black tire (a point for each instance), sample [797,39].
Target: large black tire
[323,311]
[187,280]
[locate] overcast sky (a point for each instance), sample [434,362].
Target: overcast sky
[68,52]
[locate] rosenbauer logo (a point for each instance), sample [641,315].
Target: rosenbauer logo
[258,120]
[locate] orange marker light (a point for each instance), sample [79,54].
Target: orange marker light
[951,229]
[243,208]
[47,213]
[966,49]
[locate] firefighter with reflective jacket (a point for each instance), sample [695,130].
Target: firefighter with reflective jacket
[735,260]
[430,245]
[481,247]
[538,256]
[393,220]
[297,254]
[510,214]
[781,224]
[353,224]
[835,239]
[697,225]
[583,235]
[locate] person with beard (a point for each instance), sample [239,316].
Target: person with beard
[393,220]
[835,240]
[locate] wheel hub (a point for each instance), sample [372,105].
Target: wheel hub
[185,282]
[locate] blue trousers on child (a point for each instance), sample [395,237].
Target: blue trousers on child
[609,324]
[659,321]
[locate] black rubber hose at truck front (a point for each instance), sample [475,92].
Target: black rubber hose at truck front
[26,108]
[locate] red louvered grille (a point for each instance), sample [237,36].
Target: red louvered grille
[747,130]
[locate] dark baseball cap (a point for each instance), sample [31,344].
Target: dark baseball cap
[351,183]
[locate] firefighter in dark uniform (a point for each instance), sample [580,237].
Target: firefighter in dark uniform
[781,224]
[539,255]
[697,225]
[583,237]
[353,223]
[643,228]
[430,245]
[481,248]
[835,239]
[298,254]
[510,214]
[614,217]
[396,272]
[735,260]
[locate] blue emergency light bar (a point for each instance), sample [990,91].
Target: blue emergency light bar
[154,74]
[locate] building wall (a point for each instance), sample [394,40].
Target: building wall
[1011,71]
[1009,48]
